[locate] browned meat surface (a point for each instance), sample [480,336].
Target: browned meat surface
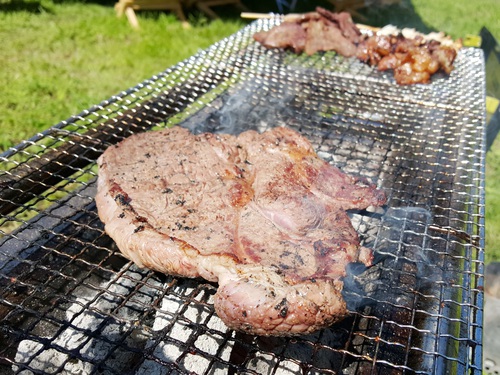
[287,35]
[260,214]
[445,57]
[343,20]
[391,61]
[372,50]
[324,35]
[413,60]
[404,74]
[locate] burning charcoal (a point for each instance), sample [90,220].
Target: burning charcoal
[92,312]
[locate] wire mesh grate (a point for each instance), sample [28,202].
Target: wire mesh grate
[71,303]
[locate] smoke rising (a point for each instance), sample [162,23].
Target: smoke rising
[402,261]
[241,109]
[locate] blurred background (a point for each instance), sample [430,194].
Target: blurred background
[60,57]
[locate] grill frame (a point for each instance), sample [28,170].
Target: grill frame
[429,241]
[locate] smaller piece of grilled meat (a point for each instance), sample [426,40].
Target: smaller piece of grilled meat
[313,32]
[413,59]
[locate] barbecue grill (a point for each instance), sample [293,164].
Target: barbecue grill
[71,303]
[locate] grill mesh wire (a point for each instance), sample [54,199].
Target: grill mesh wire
[70,302]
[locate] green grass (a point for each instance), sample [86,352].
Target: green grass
[69,56]
[493,203]
[59,58]
[454,17]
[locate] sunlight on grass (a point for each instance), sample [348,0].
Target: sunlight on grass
[57,63]
[457,18]
[493,203]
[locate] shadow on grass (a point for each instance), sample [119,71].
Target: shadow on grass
[401,15]
[23,6]
[36,6]
[98,2]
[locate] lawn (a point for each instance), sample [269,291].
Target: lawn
[63,58]
[59,58]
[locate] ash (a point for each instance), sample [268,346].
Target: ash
[182,338]
[91,329]
[108,317]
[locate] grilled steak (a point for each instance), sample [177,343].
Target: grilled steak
[261,214]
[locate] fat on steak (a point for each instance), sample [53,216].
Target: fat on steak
[260,214]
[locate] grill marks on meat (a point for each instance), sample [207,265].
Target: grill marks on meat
[260,214]
[413,60]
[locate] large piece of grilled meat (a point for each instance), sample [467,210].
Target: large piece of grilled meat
[261,214]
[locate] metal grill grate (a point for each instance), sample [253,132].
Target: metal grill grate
[70,303]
